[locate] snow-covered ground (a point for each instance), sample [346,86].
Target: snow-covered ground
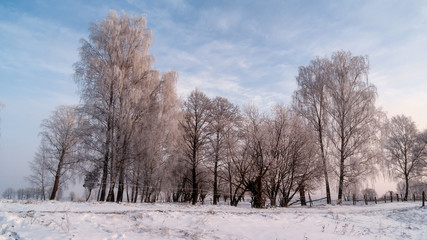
[93,220]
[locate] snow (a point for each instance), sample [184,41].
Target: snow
[94,220]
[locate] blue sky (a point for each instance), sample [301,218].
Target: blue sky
[247,51]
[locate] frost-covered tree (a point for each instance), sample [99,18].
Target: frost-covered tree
[311,101]
[224,116]
[60,133]
[91,181]
[407,150]
[353,115]
[338,101]
[295,166]
[255,139]
[236,166]
[195,136]
[41,177]
[123,95]
[369,193]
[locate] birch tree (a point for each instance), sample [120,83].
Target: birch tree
[406,150]
[60,132]
[40,177]
[311,102]
[352,113]
[120,91]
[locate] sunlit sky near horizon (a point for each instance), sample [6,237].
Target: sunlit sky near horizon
[247,51]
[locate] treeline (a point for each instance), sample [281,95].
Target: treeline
[22,194]
[132,139]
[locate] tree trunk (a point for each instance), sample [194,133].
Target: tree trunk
[215,186]
[258,201]
[57,176]
[273,201]
[135,196]
[88,196]
[341,182]
[406,187]
[195,191]
[302,195]
[108,135]
[120,191]
[325,166]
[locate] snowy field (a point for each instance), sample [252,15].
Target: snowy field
[74,220]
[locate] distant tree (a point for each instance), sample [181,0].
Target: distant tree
[72,196]
[407,150]
[91,181]
[418,186]
[196,119]
[20,194]
[401,187]
[40,176]
[60,132]
[369,193]
[352,185]
[9,193]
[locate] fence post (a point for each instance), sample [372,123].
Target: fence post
[397,197]
[354,199]
[391,197]
[375,198]
[385,198]
[366,199]
[413,196]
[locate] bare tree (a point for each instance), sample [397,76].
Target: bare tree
[196,119]
[236,166]
[223,119]
[299,165]
[406,148]
[40,177]
[90,182]
[61,137]
[352,112]
[9,193]
[255,139]
[279,137]
[311,102]
[369,193]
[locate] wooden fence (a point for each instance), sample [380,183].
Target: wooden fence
[396,198]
